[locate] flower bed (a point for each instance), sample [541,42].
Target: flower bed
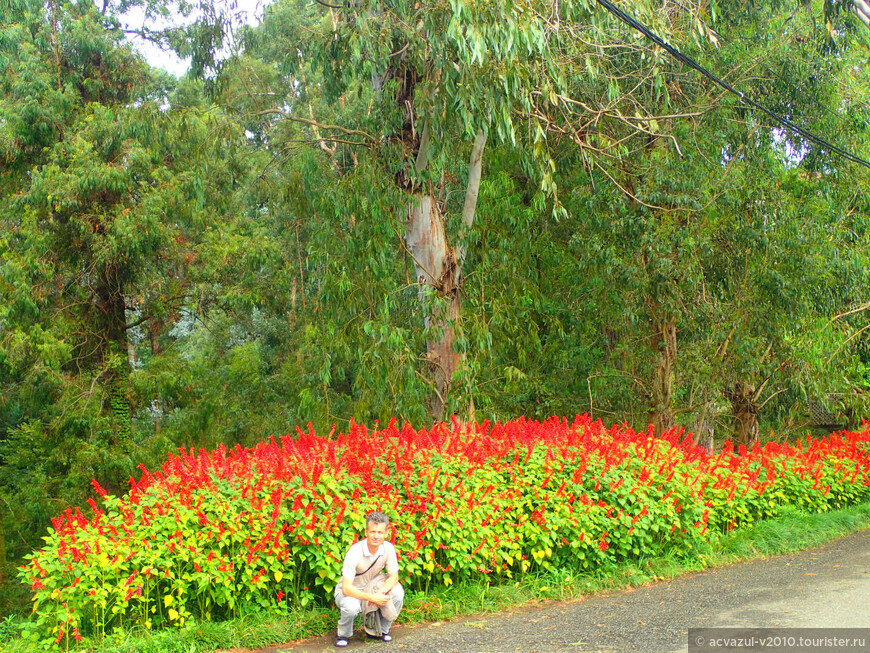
[213,532]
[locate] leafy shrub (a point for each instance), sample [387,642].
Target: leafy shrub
[215,533]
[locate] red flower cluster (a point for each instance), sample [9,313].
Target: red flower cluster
[211,531]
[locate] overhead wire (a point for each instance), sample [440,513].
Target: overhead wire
[688,61]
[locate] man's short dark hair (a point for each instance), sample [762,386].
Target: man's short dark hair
[376,518]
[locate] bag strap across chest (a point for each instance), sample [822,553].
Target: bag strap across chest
[378,558]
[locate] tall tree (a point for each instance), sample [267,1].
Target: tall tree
[429,77]
[107,201]
[705,235]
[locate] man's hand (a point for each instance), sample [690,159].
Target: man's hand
[380,599]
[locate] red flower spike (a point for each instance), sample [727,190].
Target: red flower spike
[396,469]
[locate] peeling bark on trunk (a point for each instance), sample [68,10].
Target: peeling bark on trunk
[436,267]
[664,346]
[437,264]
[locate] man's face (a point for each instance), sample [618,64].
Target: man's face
[375,534]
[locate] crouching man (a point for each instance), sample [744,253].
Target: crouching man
[370,584]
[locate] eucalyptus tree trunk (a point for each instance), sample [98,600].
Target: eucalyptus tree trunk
[664,346]
[744,408]
[438,267]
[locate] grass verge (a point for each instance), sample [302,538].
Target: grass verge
[789,533]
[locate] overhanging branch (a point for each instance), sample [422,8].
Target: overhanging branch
[314,123]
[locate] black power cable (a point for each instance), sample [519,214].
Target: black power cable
[646,31]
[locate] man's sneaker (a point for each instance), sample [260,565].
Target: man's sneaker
[387,637]
[340,642]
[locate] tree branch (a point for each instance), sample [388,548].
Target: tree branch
[472,190]
[845,342]
[316,124]
[863,307]
[771,397]
[422,159]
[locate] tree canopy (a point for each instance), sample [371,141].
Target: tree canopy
[364,211]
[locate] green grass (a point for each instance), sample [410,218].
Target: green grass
[792,532]
[252,631]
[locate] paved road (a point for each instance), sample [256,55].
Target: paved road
[828,586]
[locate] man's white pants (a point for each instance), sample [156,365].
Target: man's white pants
[351,607]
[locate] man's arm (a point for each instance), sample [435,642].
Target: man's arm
[390,583]
[392,569]
[378,599]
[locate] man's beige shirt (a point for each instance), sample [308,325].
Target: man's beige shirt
[360,566]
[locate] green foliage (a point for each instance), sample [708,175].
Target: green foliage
[178,268]
[215,535]
[790,532]
[108,196]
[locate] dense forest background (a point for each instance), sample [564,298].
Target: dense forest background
[388,209]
